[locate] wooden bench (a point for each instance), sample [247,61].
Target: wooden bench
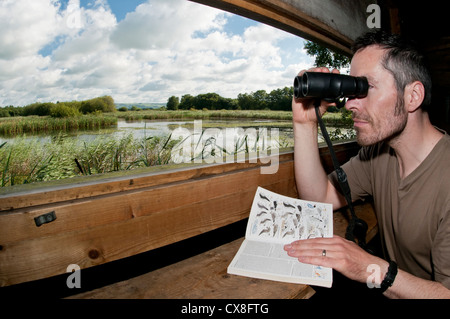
[100,221]
[205,275]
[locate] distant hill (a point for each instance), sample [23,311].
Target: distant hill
[141,105]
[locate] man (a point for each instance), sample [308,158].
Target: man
[403,165]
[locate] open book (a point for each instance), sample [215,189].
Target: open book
[276,220]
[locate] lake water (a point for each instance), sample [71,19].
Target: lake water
[147,128]
[228,130]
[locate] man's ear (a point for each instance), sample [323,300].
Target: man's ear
[414,96]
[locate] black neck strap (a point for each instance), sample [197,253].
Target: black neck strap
[357,227]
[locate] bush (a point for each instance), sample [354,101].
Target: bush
[91,106]
[10,110]
[4,113]
[62,110]
[99,104]
[173,103]
[41,109]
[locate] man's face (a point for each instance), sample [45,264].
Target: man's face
[380,115]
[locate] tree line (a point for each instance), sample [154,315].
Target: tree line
[279,99]
[101,104]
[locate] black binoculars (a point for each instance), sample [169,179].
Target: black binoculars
[330,87]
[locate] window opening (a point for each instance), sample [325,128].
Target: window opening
[96,87]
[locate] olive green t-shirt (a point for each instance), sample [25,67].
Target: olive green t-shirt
[413,213]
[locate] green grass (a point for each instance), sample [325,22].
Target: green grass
[203,114]
[31,160]
[332,119]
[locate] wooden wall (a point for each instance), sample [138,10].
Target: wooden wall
[108,220]
[427,23]
[439,55]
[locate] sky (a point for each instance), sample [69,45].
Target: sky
[137,51]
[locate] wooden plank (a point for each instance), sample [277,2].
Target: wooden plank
[14,198]
[344,151]
[184,280]
[85,213]
[323,21]
[50,255]
[285,16]
[199,277]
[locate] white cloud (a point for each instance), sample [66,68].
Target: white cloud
[162,24]
[26,27]
[163,48]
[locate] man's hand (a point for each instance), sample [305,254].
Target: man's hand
[303,109]
[352,261]
[311,179]
[338,253]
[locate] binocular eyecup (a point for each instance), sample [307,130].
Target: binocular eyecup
[330,87]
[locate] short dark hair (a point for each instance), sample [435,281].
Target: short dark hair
[403,59]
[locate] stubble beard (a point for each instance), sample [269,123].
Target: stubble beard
[390,128]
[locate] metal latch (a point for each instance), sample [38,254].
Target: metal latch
[44,219]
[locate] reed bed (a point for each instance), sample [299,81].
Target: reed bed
[204,114]
[13,126]
[33,160]
[331,119]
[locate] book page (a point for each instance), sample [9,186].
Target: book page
[274,221]
[262,258]
[278,218]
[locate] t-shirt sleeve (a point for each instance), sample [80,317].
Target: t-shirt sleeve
[358,174]
[441,250]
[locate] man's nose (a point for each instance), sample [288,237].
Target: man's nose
[352,104]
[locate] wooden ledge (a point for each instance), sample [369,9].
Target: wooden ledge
[200,277]
[205,275]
